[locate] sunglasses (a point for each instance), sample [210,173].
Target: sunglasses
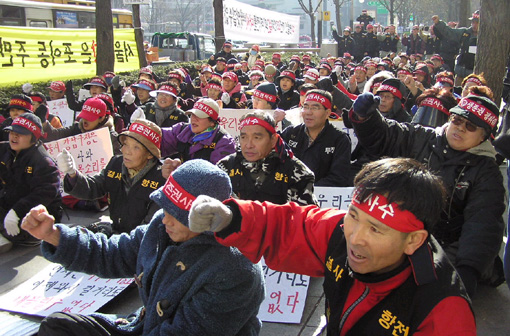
[459,121]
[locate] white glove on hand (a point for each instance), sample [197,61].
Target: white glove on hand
[225,97]
[11,222]
[208,214]
[338,70]
[27,88]
[128,97]
[137,114]
[65,163]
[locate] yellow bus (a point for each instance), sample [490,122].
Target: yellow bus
[57,14]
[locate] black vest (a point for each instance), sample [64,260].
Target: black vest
[128,210]
[273,189]
[409,304]
[204,153]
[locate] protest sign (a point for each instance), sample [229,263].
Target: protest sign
[60,109]
[333,197]
[285,296]
[55,289]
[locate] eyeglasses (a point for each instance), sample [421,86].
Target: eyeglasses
[459,121]
[313,108]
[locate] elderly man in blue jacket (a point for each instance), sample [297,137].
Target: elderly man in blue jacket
[189,283]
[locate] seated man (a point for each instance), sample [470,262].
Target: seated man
[189,284]
[384,273]
[263,169]
[323,148]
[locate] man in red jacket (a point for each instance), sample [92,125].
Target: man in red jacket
[383,273]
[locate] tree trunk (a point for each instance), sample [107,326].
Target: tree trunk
[493,44]
[338,17]
[142,60]
[104,35]
[465,13]
[312,28]
[219,30]
[392,11]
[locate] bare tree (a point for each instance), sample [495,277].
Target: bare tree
[338,5]
[185,12]
[404,11]
[493,44]
[219,29]
[104,36]
[310,11]
[392,6]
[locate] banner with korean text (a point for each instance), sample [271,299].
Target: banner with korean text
[47,54]
[254,24]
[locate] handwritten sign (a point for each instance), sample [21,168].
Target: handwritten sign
[285,296]
[60,109]
[91,150]
[56,289]
[333,197]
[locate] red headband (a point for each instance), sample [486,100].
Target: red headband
[230,75]
[404,72]
[250,121]
[319,99]
[392,89]
[146,132]
[375,86]
[175,75]
[21,102]
[213,86]
[36,98]
[177,194]
[420,72]
[360,68]
[264,96]
[377,206]
[206,109]
[25,123]
[168,88]
[434,103]
[486,115]
[444,79]
[290,74]
[474,80]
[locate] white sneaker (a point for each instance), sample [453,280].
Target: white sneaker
[5,244]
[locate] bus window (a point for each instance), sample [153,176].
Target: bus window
[12,16]
[86,20]
[38,24]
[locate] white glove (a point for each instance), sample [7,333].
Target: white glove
[65,163]
[11,222]
[128,97]
[208,214]
[225,97]
[27,88]
[137,114]
[338,70]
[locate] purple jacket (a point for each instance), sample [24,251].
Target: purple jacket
[180,133]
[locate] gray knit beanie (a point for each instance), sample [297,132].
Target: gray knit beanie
[191,179]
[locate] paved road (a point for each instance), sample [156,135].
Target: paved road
[491,305]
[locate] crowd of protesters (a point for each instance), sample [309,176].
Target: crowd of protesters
[409,96]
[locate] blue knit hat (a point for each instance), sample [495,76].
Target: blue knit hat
[189,180]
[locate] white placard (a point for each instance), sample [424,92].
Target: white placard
[60,108]
[91,150]
[83,94]
[55,289]
[285,296]
[333,197]
[249,23]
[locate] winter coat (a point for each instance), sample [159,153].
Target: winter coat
[77,128]
[372,45]
[197,287]
[389,43]
[360,40]
[450,41]
[179,139]
[153,112]
[475,204]
[415,45]
[288,99]
[328,156]
[307,235]
[223,54]
[270,179]
[345,44]
[130,205]
[465,37]
[28,179]
[236,96]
